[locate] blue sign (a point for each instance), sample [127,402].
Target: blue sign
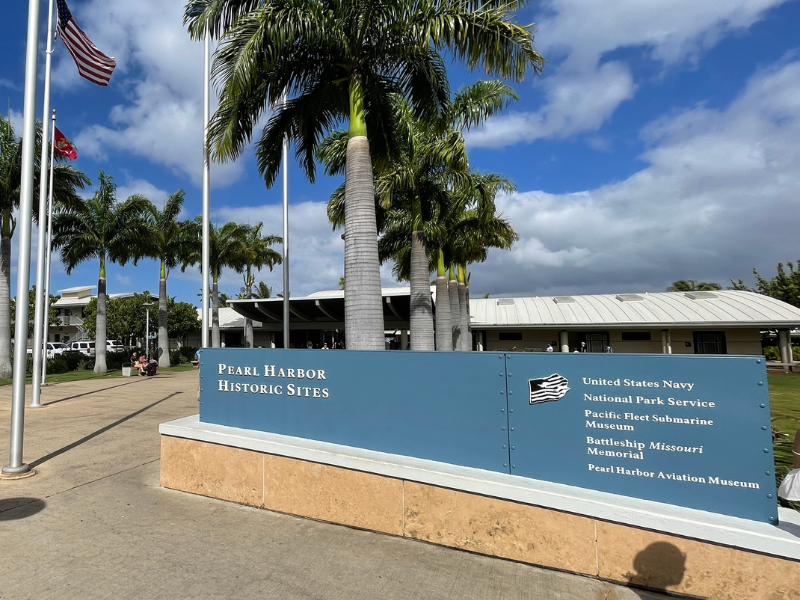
[423,404]
[692,431]
[688,430]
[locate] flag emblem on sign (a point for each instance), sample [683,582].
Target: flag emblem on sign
[64,147]
[92,64]
[548,389]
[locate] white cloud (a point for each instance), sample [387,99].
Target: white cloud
[718,198]
[140,186]
[160,71]
[123,280]
[316,253]
[584,91]
[7,83]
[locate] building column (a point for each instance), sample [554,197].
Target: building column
[785,347]
[480,341]
[404,339]
[563,341]
[666,341]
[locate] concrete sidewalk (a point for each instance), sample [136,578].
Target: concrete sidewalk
[94,523]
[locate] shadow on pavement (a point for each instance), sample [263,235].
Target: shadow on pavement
[658,566]
[12,509]
[111,387]
[94,434]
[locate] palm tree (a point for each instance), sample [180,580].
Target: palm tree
[459,231]
[262,290]
[226,250]
[692,285]
[257,255]
[66,180]
[344,60]
[470,235]
[169,241]
[432,161]
[104,229]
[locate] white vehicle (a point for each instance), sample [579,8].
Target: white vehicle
[114,346]
[56,348]
[84,347]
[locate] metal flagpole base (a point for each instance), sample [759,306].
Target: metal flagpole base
[21,472]
[36,406]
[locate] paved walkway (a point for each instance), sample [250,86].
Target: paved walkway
[94,523]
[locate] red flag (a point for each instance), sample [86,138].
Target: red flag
[64,147]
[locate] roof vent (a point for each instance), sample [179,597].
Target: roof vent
[701,295]
[563,299]
[630,298]
[505,301]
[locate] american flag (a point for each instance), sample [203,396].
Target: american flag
[548,389]
[92,64]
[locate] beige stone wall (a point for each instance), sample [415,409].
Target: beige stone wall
[491,526]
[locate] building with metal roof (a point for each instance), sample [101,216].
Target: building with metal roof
[719,322]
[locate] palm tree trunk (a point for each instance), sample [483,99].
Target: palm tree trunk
[455,310]
[248,323]
[100,328]
[215,314]
[163,333]
[363,302]
[422,337]
[444,330]
[467,320]
[463,306]
[5,295]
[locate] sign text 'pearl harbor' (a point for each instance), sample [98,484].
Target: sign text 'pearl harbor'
[272,371]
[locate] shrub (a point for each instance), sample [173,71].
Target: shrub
[796,353]
[188,353]
[57,365]
[72,359]
[117,360]
[772,353]
[176,357]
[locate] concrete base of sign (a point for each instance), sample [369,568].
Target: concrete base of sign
[614,538]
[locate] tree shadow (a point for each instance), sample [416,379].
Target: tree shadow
[94,434]
[658,566]
[12,509]
[111,387]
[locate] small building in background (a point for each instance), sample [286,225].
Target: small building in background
[70,309]
[718,322]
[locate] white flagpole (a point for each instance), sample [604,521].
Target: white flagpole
[38,319]
[47,259]
[206,193]
[285,239]
[15,466]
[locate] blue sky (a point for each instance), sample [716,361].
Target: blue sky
[661,143]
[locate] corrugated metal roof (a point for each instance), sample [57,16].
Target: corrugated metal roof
[728,307]
[228,318]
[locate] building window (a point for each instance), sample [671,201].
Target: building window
[710,342]
[510,336]
[596,341]
[636,336]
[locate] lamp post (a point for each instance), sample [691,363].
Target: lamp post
[147,306]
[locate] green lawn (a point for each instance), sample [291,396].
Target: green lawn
[83,375]
[784,398]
